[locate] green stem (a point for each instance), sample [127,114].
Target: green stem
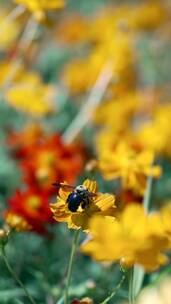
[114,291]
[70,265]
[131,287]
[14,275]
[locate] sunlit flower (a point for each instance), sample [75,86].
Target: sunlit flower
[135,238]
[49,160]
[98,204]
[39,7]
[29,210]
[130,165]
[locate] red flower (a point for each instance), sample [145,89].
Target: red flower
[33,207]
[45,158]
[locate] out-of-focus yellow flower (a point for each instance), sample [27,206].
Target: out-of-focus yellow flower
[135,238]
[159,294]
[39,7]
[156,134]
[132,166]
[118,112]
[80,75]
[99,204]
[17,222]
[9,30]
[31,96]
[126,17]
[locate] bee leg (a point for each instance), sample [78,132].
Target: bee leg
[85,202]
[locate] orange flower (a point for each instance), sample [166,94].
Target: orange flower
[29,210]
[45,159]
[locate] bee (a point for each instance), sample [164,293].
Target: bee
[79,196]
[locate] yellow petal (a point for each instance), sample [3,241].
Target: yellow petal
[91,185]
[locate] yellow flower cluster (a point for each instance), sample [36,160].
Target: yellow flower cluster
[39,7]
[111,34]
[134,238]
[98,204]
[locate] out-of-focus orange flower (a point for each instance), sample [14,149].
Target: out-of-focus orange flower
[29,210]
[50,160]
[98,204]
[20,142]
[73,29]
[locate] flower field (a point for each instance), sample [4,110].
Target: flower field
[85,152]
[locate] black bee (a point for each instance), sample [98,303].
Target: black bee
[80,196]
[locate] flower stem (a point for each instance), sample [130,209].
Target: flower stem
[87,110]
[70,265]
[14,275]
[114,291]
[131,287]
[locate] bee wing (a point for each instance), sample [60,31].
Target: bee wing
[91,194]
[66,187]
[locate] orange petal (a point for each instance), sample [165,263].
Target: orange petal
[105,201]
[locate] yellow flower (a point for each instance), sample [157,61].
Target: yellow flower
[17,222]
[9,30]
[118,112]
[39,7]
[31,96]
[131,165]
[135,238]
[98,204]
[80,75]
[156,134]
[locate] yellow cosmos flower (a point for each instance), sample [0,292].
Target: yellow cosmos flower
[129,164]
[135,238]
[39,7]
[98,204]
[31,96]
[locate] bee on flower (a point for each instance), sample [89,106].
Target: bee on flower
[76,205]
